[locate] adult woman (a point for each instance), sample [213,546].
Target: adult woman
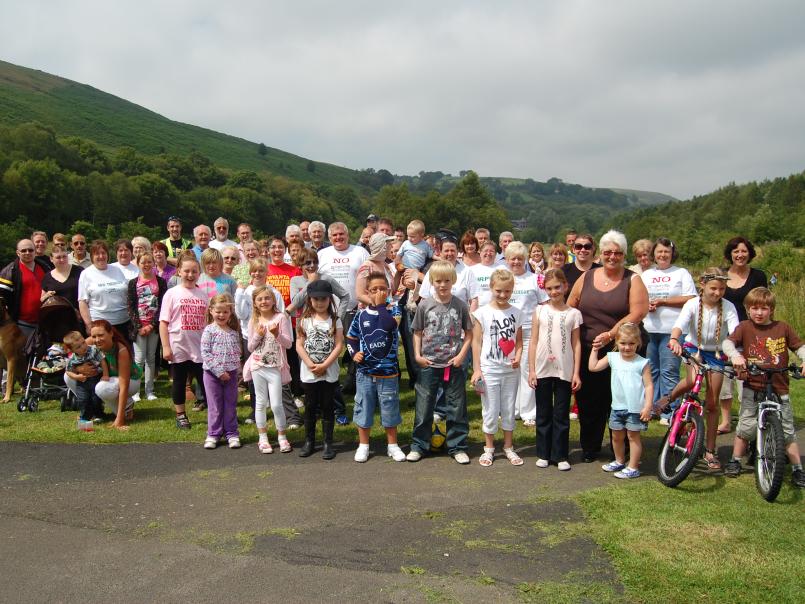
[741,279]
[213,280]
[584,249]
[63,279]
[526,295]
[230,257]
[607,297]
[379,243]
[558,256]
[466,286]
[468,249]
[669,287]
[642,250]
[124,375]
[310,273]
[161,266]
[125,253]
[102,291]
[294,250]
[145,294]
[139,245]
[536,257]
[483,271]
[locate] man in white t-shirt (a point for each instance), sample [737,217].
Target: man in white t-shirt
[504,240]
[341,262]
[222,240]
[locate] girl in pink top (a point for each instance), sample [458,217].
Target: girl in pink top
[181,322]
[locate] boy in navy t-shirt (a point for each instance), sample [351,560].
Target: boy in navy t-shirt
[372,343]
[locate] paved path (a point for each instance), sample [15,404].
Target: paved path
[176,523]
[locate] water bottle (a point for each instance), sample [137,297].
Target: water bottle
[84,425]
[479,385]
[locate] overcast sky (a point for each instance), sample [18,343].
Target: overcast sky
[675,96]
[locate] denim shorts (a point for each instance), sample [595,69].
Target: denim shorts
[372,392]
[621,419]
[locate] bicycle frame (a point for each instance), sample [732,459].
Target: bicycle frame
[689,401]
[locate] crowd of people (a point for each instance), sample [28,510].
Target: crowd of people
[283,316]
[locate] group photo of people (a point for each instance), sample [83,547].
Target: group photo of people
[318,327]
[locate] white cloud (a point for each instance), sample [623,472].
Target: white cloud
[679,97]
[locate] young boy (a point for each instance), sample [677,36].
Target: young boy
[442,335]
[414,254]
[765,342]
[89,404]
[372,343]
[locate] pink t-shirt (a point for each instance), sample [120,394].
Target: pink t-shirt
[184,311]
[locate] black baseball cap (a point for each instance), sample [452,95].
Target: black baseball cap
[319,289]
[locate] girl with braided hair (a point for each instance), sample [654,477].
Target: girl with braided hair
[707,319]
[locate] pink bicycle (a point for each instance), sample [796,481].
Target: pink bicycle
[682,445]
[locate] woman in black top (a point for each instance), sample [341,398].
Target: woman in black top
[584,249]
[63,279]
[741,279]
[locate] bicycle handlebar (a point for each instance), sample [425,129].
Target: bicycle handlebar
[727,369]
[755,369]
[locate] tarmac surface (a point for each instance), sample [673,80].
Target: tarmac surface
[176,523]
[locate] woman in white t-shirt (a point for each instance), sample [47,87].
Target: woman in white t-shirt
[483,271]
[669,287]
[103,291]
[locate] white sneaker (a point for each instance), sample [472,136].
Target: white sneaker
[395,453]
[234,442]
[542,463]
[362,454]
[298,402]
[563,466]
[151,397]
[462,458]
[136,398]
[210,442]
[413,456]
[574,415]
[437,418]
[664,421]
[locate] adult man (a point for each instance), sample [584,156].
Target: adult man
[385,226]
[366,234]
[341,262]
[222,240]
[175,243]
[202,236]
[504,240]
[482,235]
[305,228]
[371,221]
[244,236]
[293,233]
[21,286]
[79,256]
[570,239]
[317,242]
[40,239]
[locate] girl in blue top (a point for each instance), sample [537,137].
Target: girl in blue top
[632,393]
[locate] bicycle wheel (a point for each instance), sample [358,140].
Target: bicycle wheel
[770,460]
[674,463]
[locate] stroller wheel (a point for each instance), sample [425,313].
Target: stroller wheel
[33,405]
[23,404]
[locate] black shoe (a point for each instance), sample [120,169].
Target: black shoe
[327,451]
[798,479]
[307,449]
[182,422]
[590,457]
[732,468]
[199,406]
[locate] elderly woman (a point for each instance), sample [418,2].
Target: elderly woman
[139,245]
[584,250]
[161,265]
[468,251]
[642,250]
[526,295]
[669,287]
[607,296]
[103,291]
[231,258]
[741,279]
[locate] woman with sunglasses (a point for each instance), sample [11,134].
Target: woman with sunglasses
[584,250]
[607,296]
[310,273]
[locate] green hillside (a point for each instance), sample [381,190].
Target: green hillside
[73,109]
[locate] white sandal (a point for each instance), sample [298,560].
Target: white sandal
[488,457]
[512,456]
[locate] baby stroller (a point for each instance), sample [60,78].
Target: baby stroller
[47,360]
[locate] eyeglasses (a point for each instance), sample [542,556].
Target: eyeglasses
[583,246]
[230,258]
[614,253]
[310,263]
[78,243]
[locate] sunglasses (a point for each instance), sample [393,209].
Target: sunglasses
[310,263]
[27,250]
[78,243]
[612,253]
[583,246]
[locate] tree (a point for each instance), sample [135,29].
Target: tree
[311,166]
[262,150]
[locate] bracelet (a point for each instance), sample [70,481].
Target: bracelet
[674,339]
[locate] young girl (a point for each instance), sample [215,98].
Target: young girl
[632,394]
[497,345]
[319,341]
[554,365]
[220,355]
[181,323]
[707,319]
[269,338]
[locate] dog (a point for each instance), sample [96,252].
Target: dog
[12,358]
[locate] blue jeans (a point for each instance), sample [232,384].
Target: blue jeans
[376,392]
[458,426]
[664,364]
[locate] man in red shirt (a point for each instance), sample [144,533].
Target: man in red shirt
[21,286]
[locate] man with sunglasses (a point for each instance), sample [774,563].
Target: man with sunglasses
[21,286]
[175,243]
[78,255]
